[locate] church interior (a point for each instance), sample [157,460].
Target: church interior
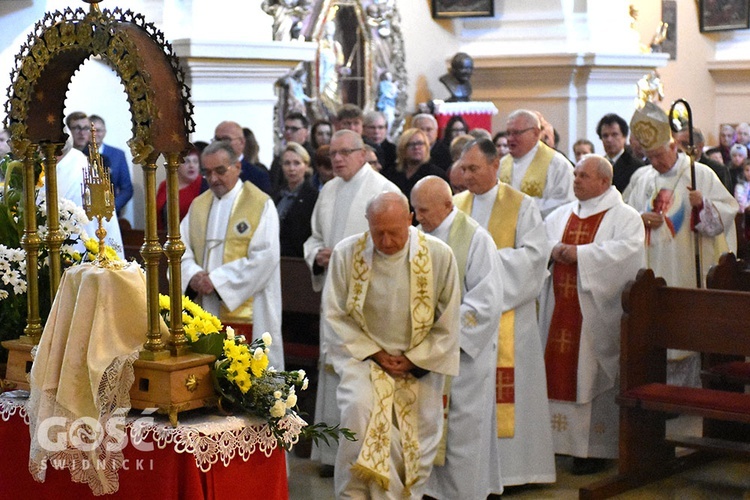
[574,61]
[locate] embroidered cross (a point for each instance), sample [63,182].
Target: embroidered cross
[564,340]
[504,389]
[569,286]
[577,235]
[559,422]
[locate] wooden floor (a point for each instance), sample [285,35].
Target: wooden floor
[720,480]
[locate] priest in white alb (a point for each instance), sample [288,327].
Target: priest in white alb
[231,236]
[597,247]
[338,213]
[391,301]
[674,214]
[468,465]
[515,224]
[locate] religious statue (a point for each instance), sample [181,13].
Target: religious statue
[457,80]
[387,93]
[287,17]
[331,65]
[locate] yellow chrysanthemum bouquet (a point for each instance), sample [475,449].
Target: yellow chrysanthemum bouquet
[242,378]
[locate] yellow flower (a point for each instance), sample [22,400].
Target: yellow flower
[164,302]
[91,245]
[243,382]
[258,365]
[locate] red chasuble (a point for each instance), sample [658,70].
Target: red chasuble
[561,354]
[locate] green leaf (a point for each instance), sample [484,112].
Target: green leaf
[212,343]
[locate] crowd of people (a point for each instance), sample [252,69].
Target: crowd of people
[467,351]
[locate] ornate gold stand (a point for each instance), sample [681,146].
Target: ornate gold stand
[19,364]
[173,385]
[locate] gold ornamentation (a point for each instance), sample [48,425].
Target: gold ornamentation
[559,422]
[532,188]
[191,383]
[469,319]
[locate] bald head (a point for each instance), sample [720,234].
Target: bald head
[389,220]
[592,177]
[432,201]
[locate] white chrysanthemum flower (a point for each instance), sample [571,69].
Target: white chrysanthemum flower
[291,401]
[3,294]
[267,338]
[304,384]
[300,375]
[230,333]
[258,354]
[278,409]
[277,394]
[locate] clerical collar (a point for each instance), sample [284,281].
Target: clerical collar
[230,195]
[441,232]
[489,195]
[396,256]
[594,205]
[525,160]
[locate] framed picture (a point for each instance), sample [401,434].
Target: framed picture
[462,8]
[723,15]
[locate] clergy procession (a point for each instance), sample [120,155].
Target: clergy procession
[467,352]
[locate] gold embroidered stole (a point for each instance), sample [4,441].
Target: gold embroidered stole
[502,227]
[459,239]
[535,179]
[243,221]
[561,353]
[392,396]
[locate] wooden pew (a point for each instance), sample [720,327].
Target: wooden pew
[657,317]
[300,314]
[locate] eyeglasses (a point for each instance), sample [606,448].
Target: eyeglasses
[291,129]
[79,128]
[218,171]
[225,138]
[516,133]
[417,144]
[375,127]
[343,152]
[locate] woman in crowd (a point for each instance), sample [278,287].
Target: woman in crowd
[189,179]
[501,143]
[295,201]
[441,152]
[413,161]
[322,166]
[321,133]
[738,155]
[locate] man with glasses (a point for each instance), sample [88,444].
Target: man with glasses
[534,168]
[80,129]
[231,236]
[338,213]
[296,129]
[231,132]
[513,220]
[376,132]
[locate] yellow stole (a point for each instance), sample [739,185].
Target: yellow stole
[459,239]
[243,221]
[502,227]
[392,396]
[536,175]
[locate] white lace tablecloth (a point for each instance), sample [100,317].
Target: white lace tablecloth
[208,437]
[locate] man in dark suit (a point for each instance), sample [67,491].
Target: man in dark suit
[118,166]
[375,130]
[613,130]
[232,133]
[682,138]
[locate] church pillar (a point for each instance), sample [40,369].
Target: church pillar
[233,80]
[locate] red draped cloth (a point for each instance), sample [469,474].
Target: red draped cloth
[561,354]
[159,474]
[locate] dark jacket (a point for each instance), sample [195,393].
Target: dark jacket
[294,228]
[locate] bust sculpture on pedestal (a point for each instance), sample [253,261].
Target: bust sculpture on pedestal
[457,79]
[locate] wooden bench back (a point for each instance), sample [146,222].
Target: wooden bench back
[657,317]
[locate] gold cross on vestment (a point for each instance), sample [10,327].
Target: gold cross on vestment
[569,285]
[564,340]
[578,234]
